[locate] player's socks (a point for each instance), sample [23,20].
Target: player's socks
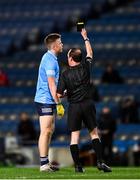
[44,160]
[75,154]
[97,148]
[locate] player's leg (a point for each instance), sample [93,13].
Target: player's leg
[46,118]
[52,127]
[46,130]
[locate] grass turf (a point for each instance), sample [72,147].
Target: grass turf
[68,173]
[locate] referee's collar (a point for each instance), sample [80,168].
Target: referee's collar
[50,52]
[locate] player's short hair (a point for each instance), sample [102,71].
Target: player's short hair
[76,54]
[51,38]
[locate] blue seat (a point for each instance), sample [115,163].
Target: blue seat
[17,108]
[8,126]
[128,129]
[115,89]
[124,145]
[17,92]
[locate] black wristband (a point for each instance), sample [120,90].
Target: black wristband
[87,39]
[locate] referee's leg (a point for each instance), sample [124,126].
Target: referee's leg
[98,150]
[75,151]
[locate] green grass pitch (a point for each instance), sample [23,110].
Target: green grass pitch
[68,173]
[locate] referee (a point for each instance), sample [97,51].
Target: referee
[76,80]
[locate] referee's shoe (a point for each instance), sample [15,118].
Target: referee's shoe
[79,169]
[103,167]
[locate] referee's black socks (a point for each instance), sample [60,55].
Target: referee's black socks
[97,148]
[75,154]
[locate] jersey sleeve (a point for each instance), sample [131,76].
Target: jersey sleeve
[88,59]
[50,69]
[61,85]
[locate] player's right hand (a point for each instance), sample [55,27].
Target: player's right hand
[60,110]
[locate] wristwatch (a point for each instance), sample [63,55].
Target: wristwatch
[87,39]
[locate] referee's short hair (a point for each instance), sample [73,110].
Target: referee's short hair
[51,38]
[76,54]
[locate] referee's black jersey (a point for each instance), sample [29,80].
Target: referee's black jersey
[76,80]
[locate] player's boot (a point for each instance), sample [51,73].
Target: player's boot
[103,167]
[79,169]
[49,168]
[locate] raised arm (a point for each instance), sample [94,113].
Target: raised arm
[87,43]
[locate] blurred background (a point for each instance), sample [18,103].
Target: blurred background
[114,31]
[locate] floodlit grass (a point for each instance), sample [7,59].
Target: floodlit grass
[68,173]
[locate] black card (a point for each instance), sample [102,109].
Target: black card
[80,26]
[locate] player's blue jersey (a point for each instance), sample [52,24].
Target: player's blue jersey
[48,68]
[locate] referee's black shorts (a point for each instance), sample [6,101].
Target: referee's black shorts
[82,112]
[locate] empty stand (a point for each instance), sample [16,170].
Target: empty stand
[115,38]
